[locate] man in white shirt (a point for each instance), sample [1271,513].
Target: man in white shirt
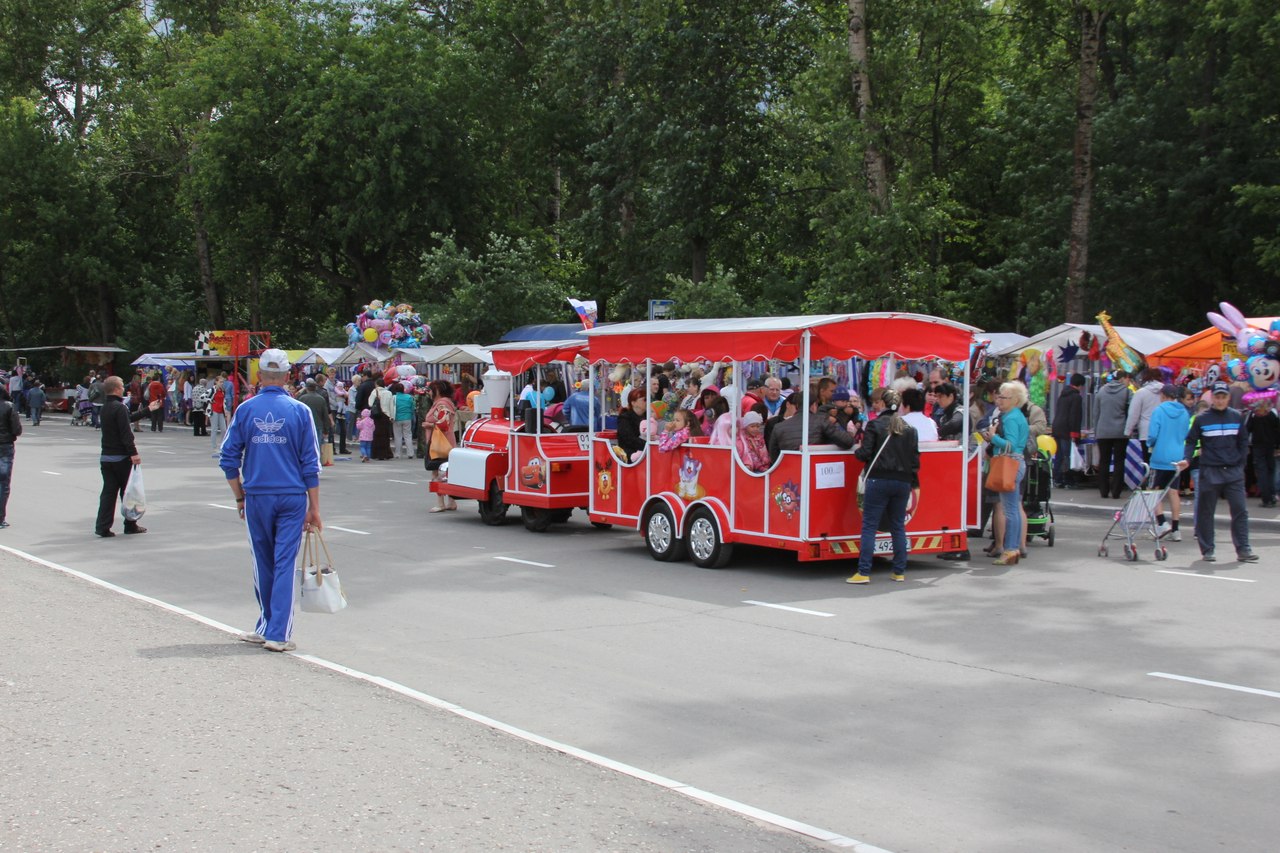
[912,411]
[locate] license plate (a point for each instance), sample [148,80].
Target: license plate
[885,546]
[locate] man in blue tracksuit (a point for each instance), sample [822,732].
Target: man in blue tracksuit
[273,437]
[1224,447]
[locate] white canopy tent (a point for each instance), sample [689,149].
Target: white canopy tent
[463,354]
[322,355]
[179,360]
[1068,334]
[360,352]
[997,341]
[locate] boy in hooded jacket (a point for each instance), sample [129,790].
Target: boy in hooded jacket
[1166,435]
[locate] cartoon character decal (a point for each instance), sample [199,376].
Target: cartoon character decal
[687,483]
[533,475]
[604,479]
[787,497]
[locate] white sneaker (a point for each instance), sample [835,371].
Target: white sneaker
[1175,536]
[1164,530]
[253,637]
[276,646]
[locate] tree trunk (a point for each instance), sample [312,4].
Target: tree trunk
[698,273]
[204,257]
[1082,164]
[859,56]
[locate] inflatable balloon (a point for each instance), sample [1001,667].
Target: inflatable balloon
[1262,372]
[371,335]
[1236,370]
[1256,342]
[1222,324]
[406,371]
[1214,372]
[384,338]
[1271,349]
[1232,313]
[375,304]
[1047,444]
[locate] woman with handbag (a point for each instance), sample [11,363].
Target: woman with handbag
[1008,437]
[438,427]
[890,450]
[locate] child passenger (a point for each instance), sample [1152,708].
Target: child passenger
[680,428]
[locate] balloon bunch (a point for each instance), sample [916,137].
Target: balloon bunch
[384,324]
[1260,351]
[406,375]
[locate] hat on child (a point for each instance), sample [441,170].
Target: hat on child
[1171,391]
[751,418]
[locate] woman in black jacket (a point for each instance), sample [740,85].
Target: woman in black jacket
[630,418]
[891,451]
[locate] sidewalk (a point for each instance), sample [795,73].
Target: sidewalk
[1086,500]
[128,727]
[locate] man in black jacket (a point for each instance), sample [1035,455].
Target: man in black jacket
[119,453]
[10,429]
[1223,438]
[1068,418]
[823,429]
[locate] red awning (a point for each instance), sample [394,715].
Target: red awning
[908,336]
[519,357]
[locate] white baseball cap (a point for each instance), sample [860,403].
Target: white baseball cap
[273,359]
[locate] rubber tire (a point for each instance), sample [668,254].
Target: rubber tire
[536,520]
[1162,554]
[493,512]
[1050,537]
[560,516]
[707,549]
[1102,552]
[1131,553]
[660,537]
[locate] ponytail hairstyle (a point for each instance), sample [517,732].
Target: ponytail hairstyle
[892,400]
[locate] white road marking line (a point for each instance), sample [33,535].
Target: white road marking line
[526,562]
[223,506]
[54,473]
[792,609]
[1224,686]
[832,838]
[406,482]
[348,530]
[1210,577]
[170,452]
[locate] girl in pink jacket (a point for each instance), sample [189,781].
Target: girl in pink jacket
[364,432]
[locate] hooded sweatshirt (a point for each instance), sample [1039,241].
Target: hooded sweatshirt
[1111,406]
[1167,433]
[1140,409]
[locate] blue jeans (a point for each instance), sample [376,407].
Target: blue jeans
[6,472]
[885,500]
[1011,504]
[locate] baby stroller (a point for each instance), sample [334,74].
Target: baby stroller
[1037,487]
[80,413]
[1137,519]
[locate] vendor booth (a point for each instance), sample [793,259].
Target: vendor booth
[1204,347]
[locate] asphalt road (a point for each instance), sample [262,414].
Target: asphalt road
[972,708]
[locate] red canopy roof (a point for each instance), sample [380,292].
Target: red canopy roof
[911,336]
[520,356]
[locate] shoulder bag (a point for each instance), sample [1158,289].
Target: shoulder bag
[1002,475]
[321,591]
[862,478]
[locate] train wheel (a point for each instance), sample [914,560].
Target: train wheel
[560,516]
[660,535]
[493,511]
[706,548]
[535,519]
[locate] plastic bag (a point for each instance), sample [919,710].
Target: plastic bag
[134,504]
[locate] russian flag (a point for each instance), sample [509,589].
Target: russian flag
[586,312]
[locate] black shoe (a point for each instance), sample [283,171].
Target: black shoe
[3,525]
[1250,557]
[129,531]
[104,533]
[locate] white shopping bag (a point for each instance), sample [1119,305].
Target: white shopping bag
[134,504]
[320,590]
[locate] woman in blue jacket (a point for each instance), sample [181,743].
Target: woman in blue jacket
[1009,435]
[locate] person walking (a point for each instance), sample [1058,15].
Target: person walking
[1223,439]
[156,393]
[119,453]
[218,416]
[1264,438]
[200,398]
[1111,410]
[402,427]
[383,405]
[891,450]
[1068,420]
[318,402]
[134,396]
[10,430]
[1142,406]
[97,397]
[1166,438]
[442,416]
[272,463]
[1009,436]
[36,398]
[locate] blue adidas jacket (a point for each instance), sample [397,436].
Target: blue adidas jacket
[1167,434]
[1223,439]
[274,437]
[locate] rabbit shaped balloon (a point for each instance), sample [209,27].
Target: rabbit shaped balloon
[1259,362]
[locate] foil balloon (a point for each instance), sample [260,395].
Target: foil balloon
[371,335]
[1236,370]
[1263,372]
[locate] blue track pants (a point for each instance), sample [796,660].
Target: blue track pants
[275,534]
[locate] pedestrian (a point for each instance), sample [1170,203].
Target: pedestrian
[1111,410]
[1068,420]
[1144,403]
[891,451]
[341,414]
[1166,438]
[134,396]
[36,398]
[442,416]
[402,427]
[318,402]
[383,405]
[364,432]
[1009,436]
[119,453]
[200,398]
[1223,439]
[10,430]
[156,392]
[97,397]
[1264,437]
[272,465]
[218,416]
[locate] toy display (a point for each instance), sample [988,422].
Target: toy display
[1259,362]
[388,325]
[1121,354]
